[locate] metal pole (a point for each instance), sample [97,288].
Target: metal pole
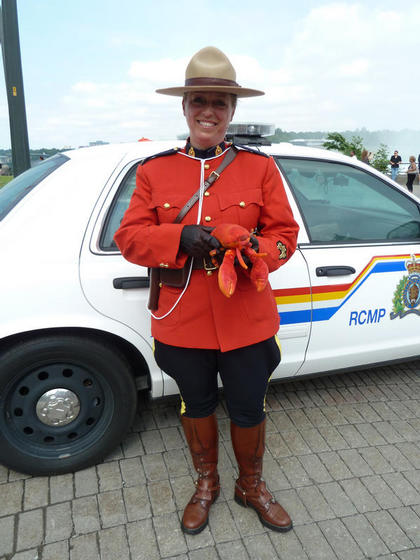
[14,85]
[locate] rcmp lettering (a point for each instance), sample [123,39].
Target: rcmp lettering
[366,316]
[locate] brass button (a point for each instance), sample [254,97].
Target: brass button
[166,205]
[207,193]
[206,166]
[209,272]
[242,204]
[207,219]
[160,284]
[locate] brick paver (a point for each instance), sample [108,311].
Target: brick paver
[343,456]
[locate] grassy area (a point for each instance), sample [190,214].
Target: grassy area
[5,179]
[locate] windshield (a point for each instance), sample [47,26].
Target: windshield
[18,188]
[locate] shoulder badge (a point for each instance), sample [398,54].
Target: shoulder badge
[251,150]
[160,154]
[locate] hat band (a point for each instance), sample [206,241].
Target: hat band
[210,82]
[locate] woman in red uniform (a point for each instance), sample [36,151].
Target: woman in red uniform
[198,331]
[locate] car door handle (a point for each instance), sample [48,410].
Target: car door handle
[334,270]
[131,282]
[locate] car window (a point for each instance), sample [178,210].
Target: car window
[19,187]
[341,203]
[116,212]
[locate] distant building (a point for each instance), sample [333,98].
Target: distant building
[5,159]
[311,142]
[98,143]
[5,164]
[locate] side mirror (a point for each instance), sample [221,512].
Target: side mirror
[410,230]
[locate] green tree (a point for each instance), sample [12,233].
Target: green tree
[336,141]
[381,159]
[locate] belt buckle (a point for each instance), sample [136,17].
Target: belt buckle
[214,173]
[210,266]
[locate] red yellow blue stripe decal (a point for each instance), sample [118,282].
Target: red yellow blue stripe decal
[313,300]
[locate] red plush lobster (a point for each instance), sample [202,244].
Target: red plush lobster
[235,241]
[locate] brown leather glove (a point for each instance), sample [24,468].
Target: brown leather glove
[197,241]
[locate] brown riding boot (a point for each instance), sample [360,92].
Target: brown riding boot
[203,441]
[250,489]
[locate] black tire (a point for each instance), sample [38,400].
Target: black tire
[100,378]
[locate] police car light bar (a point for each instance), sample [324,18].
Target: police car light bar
[250,129]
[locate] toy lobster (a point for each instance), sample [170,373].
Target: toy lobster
[235,241]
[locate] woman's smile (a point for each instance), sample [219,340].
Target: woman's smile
[206,124]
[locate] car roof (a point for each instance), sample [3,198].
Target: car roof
[121,150]
[134,150]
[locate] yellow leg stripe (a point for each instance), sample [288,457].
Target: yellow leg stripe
[183,407]
[269,379]
[265,396]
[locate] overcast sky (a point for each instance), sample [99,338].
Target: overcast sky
[90,67]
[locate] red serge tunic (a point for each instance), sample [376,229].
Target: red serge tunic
[249,192]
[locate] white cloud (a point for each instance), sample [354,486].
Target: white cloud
[166,71]
[350,57]
[354,68]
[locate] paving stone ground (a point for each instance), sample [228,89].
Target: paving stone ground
[343,456]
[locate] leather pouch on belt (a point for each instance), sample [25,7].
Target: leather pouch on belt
[173,277]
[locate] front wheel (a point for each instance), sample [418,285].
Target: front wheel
[65,403]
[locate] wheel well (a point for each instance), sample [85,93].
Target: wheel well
[136,360]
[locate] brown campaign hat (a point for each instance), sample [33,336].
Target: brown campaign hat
[210,70]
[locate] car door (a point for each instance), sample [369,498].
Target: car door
[363,258]
[295,327]
[116,288]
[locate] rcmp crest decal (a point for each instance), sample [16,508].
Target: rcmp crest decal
[407,294]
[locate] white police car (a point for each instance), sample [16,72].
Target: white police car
[75,342]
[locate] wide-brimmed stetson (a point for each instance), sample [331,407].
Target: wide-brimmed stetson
[210,70]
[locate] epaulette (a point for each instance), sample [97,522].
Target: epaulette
[170,152]
[252,150]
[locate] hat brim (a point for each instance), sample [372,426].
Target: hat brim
[239,91]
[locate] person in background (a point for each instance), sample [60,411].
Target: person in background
[352,154]
[395,165]
[365,157]
[198,331]
[411,173]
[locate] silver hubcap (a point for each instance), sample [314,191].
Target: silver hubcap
[58,407]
